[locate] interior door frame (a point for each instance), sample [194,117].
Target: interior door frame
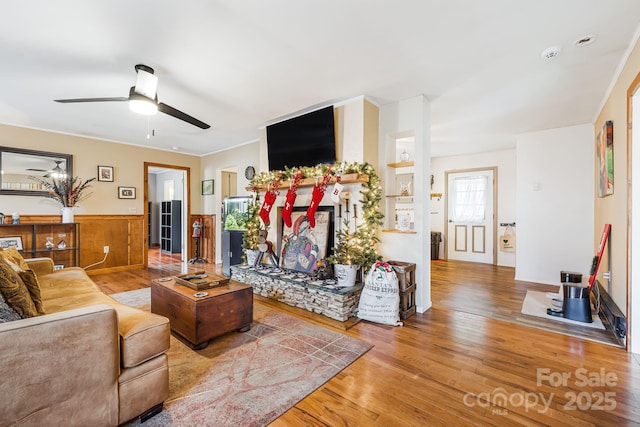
[633,337]
[494,187]
[187,198]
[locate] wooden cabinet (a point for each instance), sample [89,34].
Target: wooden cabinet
[58,241]
[171,226]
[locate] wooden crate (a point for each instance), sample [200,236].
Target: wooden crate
[406,273]
[408,302]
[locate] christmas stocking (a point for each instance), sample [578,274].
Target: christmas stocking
[316,198]
[290,199]
[269,198]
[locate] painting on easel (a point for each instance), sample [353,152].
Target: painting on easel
[604,157]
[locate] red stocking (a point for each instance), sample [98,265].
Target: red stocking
[288,207]
[290,199]
[269,198]
[316,198]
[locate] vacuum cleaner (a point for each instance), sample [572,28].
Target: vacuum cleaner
[576,304]
[576,301]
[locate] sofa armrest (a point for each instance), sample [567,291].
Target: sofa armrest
[40,266]
[60,367]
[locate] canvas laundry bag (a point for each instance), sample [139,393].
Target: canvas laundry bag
[508,240]
[380,298]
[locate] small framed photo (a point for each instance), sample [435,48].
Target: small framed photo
[207,187]
[105,173]
[11,242]
[126,192]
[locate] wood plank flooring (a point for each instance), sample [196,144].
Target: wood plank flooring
[452,367]
[491,291]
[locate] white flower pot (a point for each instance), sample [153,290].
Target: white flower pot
[345,274]
[67,215]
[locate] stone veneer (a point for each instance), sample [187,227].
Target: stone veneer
[334,302]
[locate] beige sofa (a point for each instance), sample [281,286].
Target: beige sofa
[89,361]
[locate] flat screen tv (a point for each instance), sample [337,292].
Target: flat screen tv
[306,140]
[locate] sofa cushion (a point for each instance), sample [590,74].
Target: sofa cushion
[31,282]
[15,292]
[143,335]
[66,282]
[7,314]
[14,255]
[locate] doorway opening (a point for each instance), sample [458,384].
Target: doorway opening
[167,209]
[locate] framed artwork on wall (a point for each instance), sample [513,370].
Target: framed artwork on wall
[207,187]
[126,192]
[604,159]
[105,173]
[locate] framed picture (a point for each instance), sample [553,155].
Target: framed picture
[604,157]
[105,173]
[207,187]
[126,192]
[11,242]
[303,246]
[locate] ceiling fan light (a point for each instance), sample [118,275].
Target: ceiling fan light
[143,106]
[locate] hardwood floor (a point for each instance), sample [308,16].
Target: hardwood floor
[453,367]
[491,291]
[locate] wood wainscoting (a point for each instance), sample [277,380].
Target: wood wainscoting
[208,240]
[124,234]
[126,237]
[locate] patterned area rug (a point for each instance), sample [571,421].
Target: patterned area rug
[251,378]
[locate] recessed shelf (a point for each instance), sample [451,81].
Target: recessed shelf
[401,164]
[394,230]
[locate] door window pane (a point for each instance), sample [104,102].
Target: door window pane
[469,199]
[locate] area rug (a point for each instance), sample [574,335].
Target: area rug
[251,378]
[536,303]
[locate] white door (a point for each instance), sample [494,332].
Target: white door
[470,216]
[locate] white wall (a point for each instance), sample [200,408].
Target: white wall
[505,161]
[554,200]
[212,166]
[411,116]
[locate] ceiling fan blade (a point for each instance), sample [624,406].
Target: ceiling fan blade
[182,116]
[65,101]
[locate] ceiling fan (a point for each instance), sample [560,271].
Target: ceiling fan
[55,172]
[143,98]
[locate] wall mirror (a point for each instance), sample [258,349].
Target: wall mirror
[18,164]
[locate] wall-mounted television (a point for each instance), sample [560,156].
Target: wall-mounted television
[306,140]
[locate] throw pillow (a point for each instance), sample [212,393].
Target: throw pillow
[14,255]
[15,292]
[31,282]
[7,314]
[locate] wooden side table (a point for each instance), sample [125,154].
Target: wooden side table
[198,320]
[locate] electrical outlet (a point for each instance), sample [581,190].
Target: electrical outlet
[106,249]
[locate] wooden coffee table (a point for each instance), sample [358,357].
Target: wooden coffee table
[199,319]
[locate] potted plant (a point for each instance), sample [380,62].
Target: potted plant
[252,232]
[348,255]
[67,191]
